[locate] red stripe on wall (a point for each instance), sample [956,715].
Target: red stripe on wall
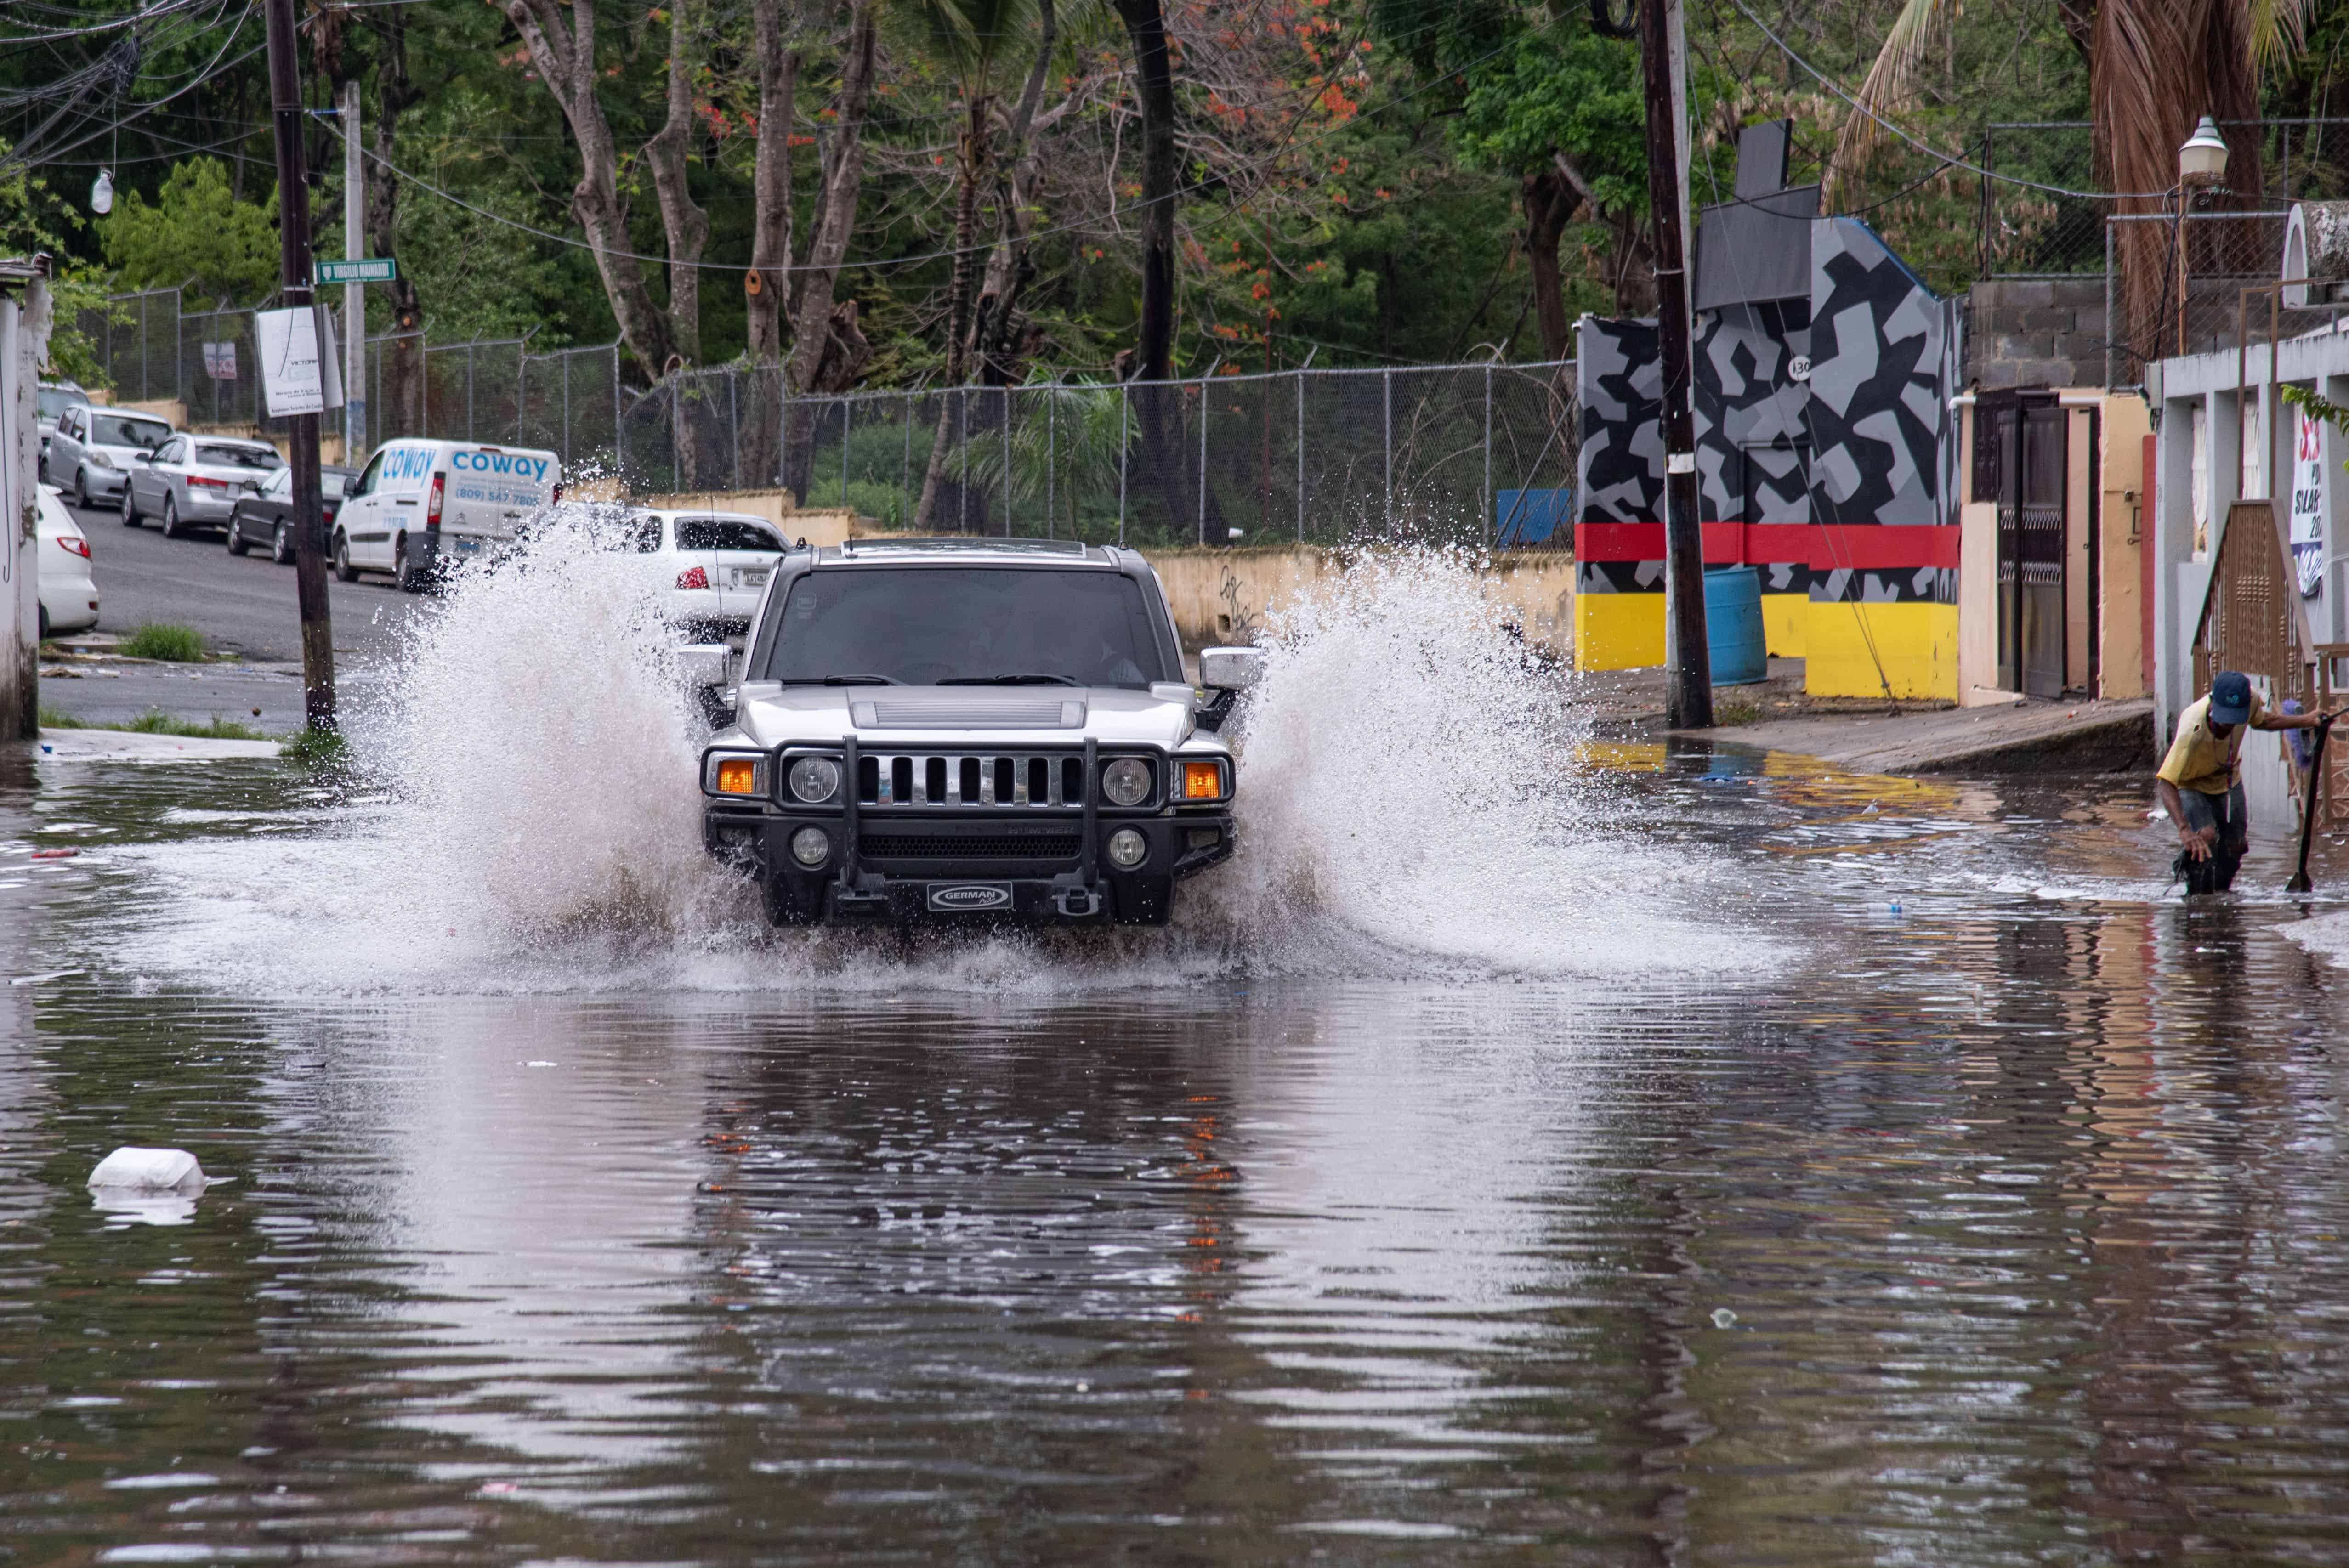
[1868,547]
[1872,547]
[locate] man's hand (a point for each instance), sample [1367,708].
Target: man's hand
[2198,841]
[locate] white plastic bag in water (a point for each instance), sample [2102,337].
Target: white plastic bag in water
[149,1171]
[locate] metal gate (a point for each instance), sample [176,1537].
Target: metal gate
[2022,449]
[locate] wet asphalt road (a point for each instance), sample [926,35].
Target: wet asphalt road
[244,605]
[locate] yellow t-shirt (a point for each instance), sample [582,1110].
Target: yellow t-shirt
[2198,759]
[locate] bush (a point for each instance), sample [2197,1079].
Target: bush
[171,644]
[319,750]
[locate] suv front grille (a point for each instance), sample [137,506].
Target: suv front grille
[954,779]
[998,847]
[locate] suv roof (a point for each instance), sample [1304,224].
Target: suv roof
[970,550]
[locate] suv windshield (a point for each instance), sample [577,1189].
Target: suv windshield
[121,431]
[921,625]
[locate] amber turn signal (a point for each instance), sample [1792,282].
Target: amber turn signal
[738,777]
[1201,781]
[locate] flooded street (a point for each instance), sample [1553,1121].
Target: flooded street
[2004,1227]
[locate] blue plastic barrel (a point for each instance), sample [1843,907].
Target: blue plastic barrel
[1732,626]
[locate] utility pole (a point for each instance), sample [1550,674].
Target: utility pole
[355,437]
[294,284]
[1688,691]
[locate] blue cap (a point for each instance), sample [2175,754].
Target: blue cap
[2230,697]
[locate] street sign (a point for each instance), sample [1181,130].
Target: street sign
[374,270]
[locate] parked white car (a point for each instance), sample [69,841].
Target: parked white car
[419,507]
[91,450]
[195,481]
[712,566]
[68,597]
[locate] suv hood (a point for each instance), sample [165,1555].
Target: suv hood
[951,717]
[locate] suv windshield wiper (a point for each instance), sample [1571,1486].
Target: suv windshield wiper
[1010,680]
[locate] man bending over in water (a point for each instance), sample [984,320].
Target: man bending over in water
[2201,780]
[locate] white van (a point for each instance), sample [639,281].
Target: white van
[420,506]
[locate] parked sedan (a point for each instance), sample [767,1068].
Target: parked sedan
[194,481]
[93,449]
[68,598]
[712,566]
[268,518]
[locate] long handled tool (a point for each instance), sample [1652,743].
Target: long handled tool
[2298,883]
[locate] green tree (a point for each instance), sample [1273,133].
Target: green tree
[195,234]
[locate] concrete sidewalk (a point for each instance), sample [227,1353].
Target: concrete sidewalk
[2086,736]
[1876,736]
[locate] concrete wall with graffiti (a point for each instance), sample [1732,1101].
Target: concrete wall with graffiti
[1827,457]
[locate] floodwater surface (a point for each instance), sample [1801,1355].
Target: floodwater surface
[2004,1227]
[1527,1150]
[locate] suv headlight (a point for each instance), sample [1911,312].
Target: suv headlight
[813,780]
[738,774]
[1126,782]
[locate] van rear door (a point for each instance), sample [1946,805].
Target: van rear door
[490,490]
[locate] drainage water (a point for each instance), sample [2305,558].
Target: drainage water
[1587,1167]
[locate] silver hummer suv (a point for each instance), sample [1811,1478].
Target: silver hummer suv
[934,729]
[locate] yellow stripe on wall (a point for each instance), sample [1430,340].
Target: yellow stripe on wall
[1916,642]
[1787,624]
[1618,631]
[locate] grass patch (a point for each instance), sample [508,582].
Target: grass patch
[164,641]
[317,750]
[157,722]
[1729,713]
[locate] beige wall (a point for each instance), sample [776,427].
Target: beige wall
[1217,594]
[2120,582]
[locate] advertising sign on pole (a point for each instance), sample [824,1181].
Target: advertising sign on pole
[2308,507]
[298,373]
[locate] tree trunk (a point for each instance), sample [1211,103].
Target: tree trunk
[969,160]
[1145,24]
[685,223]
[1550,203]
[771,186]
[402,386]
[564,55]
[813,315]
[994,324]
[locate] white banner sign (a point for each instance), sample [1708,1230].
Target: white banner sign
[220,360]
[2308,506]
[298,372]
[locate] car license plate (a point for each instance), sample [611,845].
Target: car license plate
[467,546]
[969,898]
[749,578]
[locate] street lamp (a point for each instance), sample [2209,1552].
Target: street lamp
[2201,165]
[2203,160]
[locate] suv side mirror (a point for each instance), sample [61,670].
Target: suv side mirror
[705,665]
[1230,669]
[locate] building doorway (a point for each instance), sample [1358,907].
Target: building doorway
[2021,457]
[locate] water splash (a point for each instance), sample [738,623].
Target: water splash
[1411,805]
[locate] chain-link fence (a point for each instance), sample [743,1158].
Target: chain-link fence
[1417,452]
[1322,455]
[2041,215]
[2174,285]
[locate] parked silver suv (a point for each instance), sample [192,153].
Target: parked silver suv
[934,729]
[195,481]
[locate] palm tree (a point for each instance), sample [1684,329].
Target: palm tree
[974,40]
[2154,68]
[1067,443]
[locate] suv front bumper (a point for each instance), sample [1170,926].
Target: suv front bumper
[938,883]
